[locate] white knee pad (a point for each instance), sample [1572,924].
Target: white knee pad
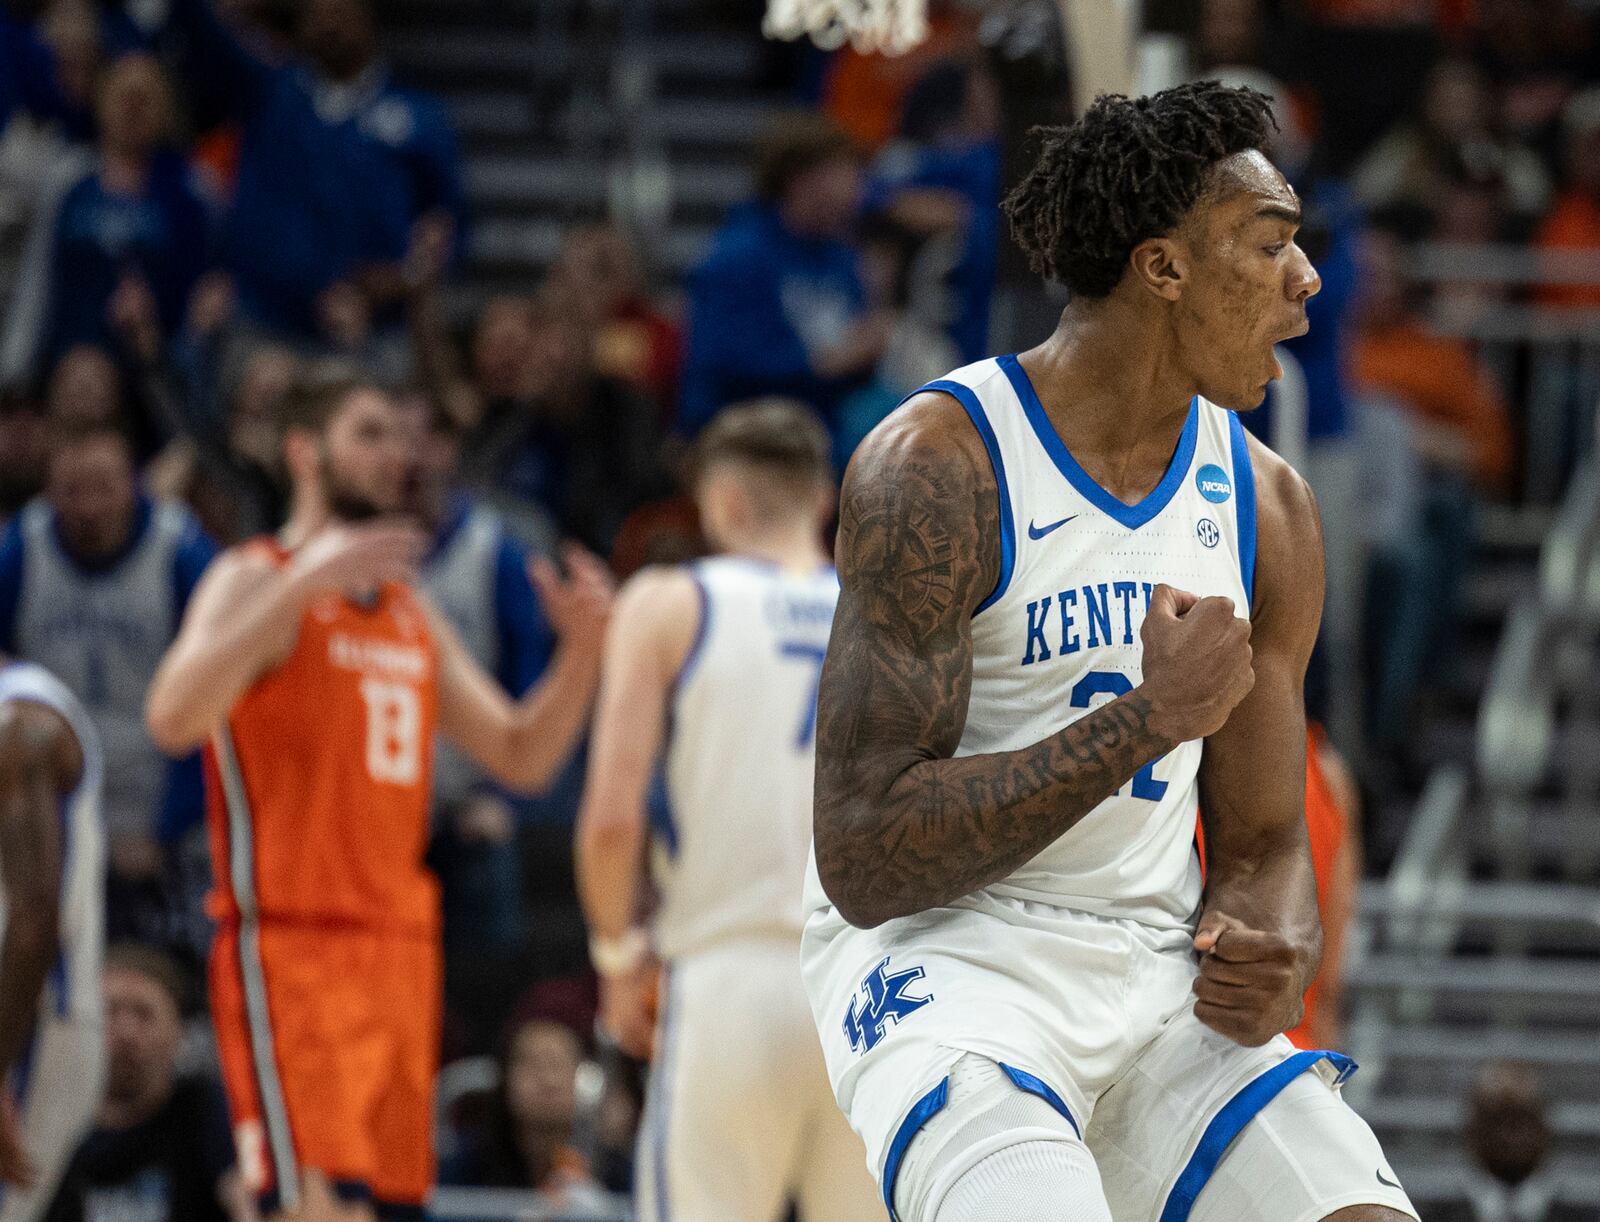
[996,1153]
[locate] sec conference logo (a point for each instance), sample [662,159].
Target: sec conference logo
[1213,483]
[1207,530]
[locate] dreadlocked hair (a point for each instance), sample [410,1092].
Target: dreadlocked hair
[1127,171]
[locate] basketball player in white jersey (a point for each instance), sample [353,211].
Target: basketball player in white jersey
[711,670]
[52,880]
[1077,603]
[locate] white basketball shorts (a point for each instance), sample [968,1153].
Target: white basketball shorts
[1094,1015]
[739,1119]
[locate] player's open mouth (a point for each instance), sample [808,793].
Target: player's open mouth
[1277,365]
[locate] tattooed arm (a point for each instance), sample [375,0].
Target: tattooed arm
[900,826]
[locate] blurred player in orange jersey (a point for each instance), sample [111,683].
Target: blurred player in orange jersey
[1333,823]
[1333,820]
[316,676]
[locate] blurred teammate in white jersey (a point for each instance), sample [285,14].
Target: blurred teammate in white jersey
[711,669]
[52,881]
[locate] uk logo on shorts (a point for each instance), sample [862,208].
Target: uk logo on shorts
[1213,483]
[885,998]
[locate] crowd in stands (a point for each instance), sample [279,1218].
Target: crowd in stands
[215,192]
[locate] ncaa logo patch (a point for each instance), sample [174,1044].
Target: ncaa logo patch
[1213,483]
[1207,531]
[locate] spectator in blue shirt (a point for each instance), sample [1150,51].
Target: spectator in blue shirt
[133,225]
[337,166]
[941,182]
[778,306]
[94,578]
[27,73]
[476,574]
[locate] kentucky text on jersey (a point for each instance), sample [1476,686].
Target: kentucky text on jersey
[788,608]
[1086,617]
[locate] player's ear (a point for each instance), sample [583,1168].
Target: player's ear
[1161,266]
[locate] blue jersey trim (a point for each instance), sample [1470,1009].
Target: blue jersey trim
[658,807]
[1008,529]
[1131,516]
[1230,1121]
[1038,1086]
[22,1073]
[60,973]
[1244,480]
[663,820]
[697,646]
[918,1116]
[13,549]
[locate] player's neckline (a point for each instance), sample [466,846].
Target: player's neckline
[1132,516]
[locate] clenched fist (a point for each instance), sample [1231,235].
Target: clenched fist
[1196,663]
[1251,982]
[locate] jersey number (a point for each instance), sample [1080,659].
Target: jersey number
[1114,683]
[394,732]
[813,655]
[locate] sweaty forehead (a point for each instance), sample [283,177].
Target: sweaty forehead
[1246,183]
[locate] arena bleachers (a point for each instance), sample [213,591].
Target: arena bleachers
[1449,428]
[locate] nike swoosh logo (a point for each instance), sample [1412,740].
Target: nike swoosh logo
[1038,532]
[1391,1183]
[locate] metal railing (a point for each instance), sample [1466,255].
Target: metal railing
[1546,357]
[1540,715]
[506,1205]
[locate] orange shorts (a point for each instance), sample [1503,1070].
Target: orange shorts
[329,1043]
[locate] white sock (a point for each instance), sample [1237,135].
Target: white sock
[1034,1181]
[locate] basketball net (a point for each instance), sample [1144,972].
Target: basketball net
[891,27]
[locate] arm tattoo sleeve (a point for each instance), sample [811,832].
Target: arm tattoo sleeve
[900,826]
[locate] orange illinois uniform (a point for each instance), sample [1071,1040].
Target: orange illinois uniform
[1325,822]
[1325,825]
[325,972]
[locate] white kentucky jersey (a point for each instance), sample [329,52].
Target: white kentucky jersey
[73,988]
[734,832]
[1059,634]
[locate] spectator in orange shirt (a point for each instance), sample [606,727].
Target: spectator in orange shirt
[1574,221]
[1458,415]
[1446,404]
[865,92]
[598,274]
